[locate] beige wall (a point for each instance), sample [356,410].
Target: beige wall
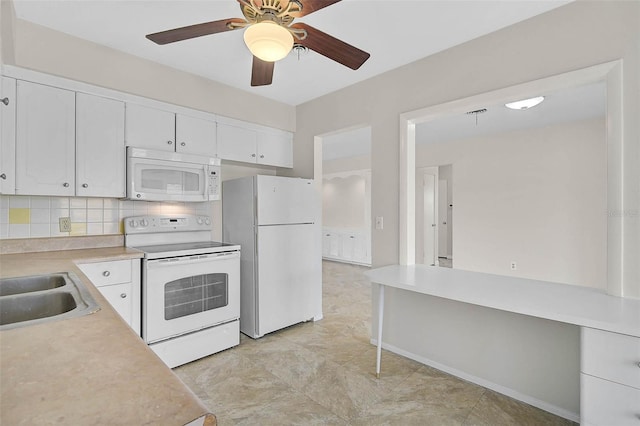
[28,45]
[536,197]
[343,202]
[346,164]
[578,35]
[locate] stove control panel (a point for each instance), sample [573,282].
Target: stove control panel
[173,223]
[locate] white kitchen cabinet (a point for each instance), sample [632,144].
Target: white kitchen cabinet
[7,135]
[609,379]
[249,145]
[236,143]
[275,149]
[45,140]
[346,245]
[119,282]
[196,136]
[150,128]
[100,150]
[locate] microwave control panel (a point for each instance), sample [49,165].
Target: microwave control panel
[213,183]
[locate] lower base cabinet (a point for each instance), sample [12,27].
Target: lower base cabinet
[609,379]
[346,245]
[119,282]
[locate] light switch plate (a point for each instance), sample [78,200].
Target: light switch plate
[379,222]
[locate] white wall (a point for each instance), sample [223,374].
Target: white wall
[575,36]
[537,197]
[343,202]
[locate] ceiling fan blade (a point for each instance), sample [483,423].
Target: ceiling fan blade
[192,31]
[310,6]
[261,72]
[331,47]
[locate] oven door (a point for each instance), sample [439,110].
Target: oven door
[189,293]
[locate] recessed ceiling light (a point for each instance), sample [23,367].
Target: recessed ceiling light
[525,103]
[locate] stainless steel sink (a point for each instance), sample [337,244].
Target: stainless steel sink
[20,285]
[43,298]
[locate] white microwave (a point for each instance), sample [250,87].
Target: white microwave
[169,176]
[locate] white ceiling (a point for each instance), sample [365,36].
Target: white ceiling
[395,32]
[562,106]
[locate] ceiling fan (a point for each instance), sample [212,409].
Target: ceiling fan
[271,34]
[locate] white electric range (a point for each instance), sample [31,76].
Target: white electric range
[190,287]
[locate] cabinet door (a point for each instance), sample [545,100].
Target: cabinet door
[45,140]
[348,246]
[275,149]
[149,128]
[7,135]
[236,143]
[195,136]
[100,152]
[360,249]
[119,296]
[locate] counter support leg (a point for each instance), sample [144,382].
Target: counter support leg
[380,318]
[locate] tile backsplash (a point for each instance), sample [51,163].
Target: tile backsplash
[35,217]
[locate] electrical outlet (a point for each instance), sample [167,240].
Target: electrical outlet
[65,224]
[379,222]
[514,266]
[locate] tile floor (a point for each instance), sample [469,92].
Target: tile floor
[323,374]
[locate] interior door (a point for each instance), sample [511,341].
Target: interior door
[289,266]
[443,229]
[430,226]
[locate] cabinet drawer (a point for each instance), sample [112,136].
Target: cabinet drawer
[612,356]
[604,403]
[107,273]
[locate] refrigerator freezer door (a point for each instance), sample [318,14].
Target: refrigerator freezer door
[290,270]
[283,200]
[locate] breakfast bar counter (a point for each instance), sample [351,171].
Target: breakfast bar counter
[92,369]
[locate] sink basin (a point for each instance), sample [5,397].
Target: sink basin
[43,298]
[43,305]
[20,285]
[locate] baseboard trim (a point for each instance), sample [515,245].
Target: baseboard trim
[543,405]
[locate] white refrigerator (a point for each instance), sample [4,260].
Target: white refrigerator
[276,220]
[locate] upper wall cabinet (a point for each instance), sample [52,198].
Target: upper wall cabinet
[269,147]
[150,128]
[68,144]
[196,136]
[7,135]
[100,151]
[153,128]
[45,140]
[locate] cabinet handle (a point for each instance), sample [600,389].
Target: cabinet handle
[106,273]
[261,155]
[253,155]
[5,101]
[327,235]
[123,295]
[3,176]
[84,185]
[183,144]
[66,184]
[352,236]
[169,142]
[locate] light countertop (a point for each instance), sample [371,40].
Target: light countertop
[92,369]
[570,304]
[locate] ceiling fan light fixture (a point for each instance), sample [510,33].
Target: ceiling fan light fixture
[525,103]
[268,41]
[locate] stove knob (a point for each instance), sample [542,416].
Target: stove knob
[133,223]
[199,220]
[207,221]
[144,222]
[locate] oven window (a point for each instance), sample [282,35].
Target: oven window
[195,294]
[169,180]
